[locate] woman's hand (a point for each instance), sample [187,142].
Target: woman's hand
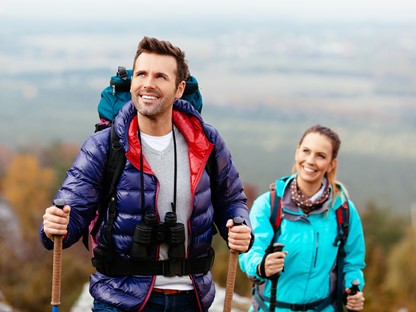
[275,263]
[355,302]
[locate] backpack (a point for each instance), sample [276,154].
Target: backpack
[117,93]
[342,215]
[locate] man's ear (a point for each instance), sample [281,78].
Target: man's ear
[180,90]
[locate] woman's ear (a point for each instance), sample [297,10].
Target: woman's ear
[333,165]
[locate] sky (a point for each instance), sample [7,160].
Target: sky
[82,26]
[386,10]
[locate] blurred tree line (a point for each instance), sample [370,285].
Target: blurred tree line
[30,178]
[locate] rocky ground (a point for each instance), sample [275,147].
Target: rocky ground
[3,306]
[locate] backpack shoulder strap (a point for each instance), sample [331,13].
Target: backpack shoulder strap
[275,208]
[342,214]
[116,160]
[210,166]
[343,217]
[275,211]
[115,164]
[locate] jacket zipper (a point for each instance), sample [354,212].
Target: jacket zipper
[316,249]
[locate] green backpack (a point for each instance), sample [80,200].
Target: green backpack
[113,97]
[117,93]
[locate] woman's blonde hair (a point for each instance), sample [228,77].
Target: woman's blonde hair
[336,144]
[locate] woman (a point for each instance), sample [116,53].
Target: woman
[307,266]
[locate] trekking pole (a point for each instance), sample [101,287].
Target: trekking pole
[276,247]
[232,269]
[354,289]
[57,264]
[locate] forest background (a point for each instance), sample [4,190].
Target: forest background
[267,71]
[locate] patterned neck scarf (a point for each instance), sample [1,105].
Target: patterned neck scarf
[309,204]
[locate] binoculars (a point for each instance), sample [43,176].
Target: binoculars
[150,233]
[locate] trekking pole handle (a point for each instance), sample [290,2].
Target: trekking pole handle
[354,289]
[232,270]
[278,247]
[57,262]
[275,248]
[272,249]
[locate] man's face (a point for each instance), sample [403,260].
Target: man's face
[153,86]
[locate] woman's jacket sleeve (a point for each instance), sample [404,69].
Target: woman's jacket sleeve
[354,249]
[260,222]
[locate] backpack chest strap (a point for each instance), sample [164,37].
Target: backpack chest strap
[318,305]
[115,266]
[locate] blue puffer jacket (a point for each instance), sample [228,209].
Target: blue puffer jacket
[310,265]
[83,186]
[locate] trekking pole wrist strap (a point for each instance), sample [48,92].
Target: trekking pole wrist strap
[261,270]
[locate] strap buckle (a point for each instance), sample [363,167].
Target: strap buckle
[299,307]
[173,267]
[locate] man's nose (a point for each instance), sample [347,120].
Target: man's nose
[149,82]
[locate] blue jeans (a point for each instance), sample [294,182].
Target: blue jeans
[183,302]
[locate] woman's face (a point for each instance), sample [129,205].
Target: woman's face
[313,160]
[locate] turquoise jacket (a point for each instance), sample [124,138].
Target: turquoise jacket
[309,273]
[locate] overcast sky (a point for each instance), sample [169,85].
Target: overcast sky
[364,10]
[50,31]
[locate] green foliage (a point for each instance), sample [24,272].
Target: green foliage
[390,256]
[401,276]
[60,157]
[383,227]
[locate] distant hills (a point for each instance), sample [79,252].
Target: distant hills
[262,83]
[376,160]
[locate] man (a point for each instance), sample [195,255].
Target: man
[165,193]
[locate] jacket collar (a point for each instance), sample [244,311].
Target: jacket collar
[185,118]
[283,190]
